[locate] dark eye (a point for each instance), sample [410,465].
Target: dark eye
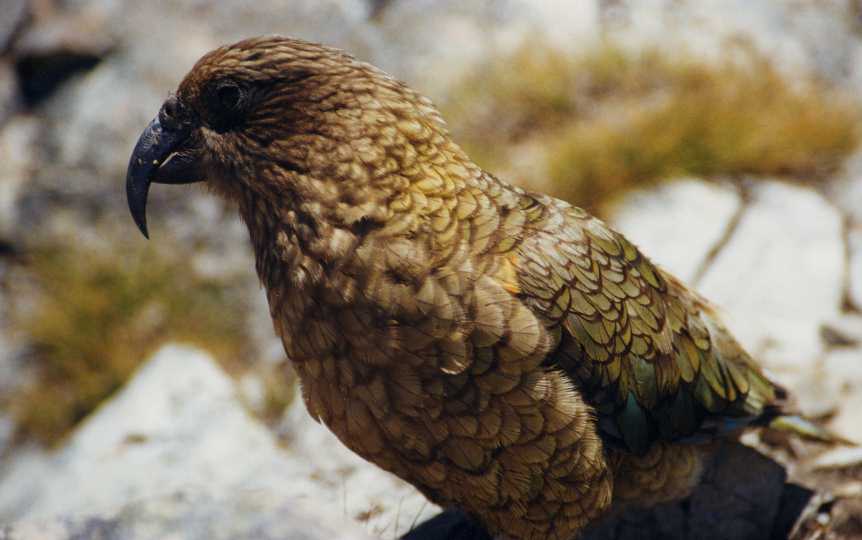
[228,96]
[226,102]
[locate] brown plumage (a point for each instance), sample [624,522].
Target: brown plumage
[501,350]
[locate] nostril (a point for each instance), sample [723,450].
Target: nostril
[169,116]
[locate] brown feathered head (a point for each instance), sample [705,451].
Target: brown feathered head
[283,120]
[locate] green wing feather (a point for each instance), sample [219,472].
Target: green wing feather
[650,354]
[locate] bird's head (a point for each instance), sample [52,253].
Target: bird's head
[290,122]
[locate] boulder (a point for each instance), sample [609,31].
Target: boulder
[178,432]
[779,278]
[677,223]
[257,515]
[818,38]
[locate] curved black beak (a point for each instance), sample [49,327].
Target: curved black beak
[156,159]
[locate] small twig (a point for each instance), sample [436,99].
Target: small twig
[728,233]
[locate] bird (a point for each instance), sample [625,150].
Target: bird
[505,352]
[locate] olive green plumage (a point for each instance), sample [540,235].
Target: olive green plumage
[501,350]
[650,354]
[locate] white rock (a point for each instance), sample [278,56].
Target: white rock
[843,367]
[351,483]
[816,37]
[676,223]
[432,43]
[843,332]
[854,242]
[178,426]
[840,458]
[845,190]
[196,516]
[779,278]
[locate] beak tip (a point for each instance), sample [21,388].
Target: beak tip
[143,228]
[137,188]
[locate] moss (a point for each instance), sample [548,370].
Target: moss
[99,312]
[593,126]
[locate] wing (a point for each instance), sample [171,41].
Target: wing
[647,352]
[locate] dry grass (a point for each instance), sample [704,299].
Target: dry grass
[588,128]
[99,312]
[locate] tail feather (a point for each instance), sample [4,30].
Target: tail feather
[806,429]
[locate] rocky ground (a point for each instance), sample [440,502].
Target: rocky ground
[177,453]
[178,448]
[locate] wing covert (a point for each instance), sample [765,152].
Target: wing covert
[649,353]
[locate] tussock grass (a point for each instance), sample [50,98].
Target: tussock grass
[587,128]
[99,312]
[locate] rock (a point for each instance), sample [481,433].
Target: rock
[432,44]
[839,458]
[179,427]
[56,47]
[845,190]
[18,141]
[779,277]
[843,368]
[10,96]
[385,505]
[15,14]
[677,223]
[844,332]
[813,37]
[827,516]
[194,516]
[854,243]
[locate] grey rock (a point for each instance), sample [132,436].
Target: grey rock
[677,223]
[15,14]
[854,244]
[779,278]
[431,44]
[55,46]
[10,97]
[844,370]
[845,190]
[840,458]
[818,38]
[195,516]
[18,141]
[180,427]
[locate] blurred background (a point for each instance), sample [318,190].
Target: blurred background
[141,385]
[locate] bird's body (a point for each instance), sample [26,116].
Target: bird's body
[501,350]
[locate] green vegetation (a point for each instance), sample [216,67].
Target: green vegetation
[587,128]
[100,311]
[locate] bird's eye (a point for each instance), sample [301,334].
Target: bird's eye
[225,104]
[228,96]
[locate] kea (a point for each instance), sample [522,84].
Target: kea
[505,352]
